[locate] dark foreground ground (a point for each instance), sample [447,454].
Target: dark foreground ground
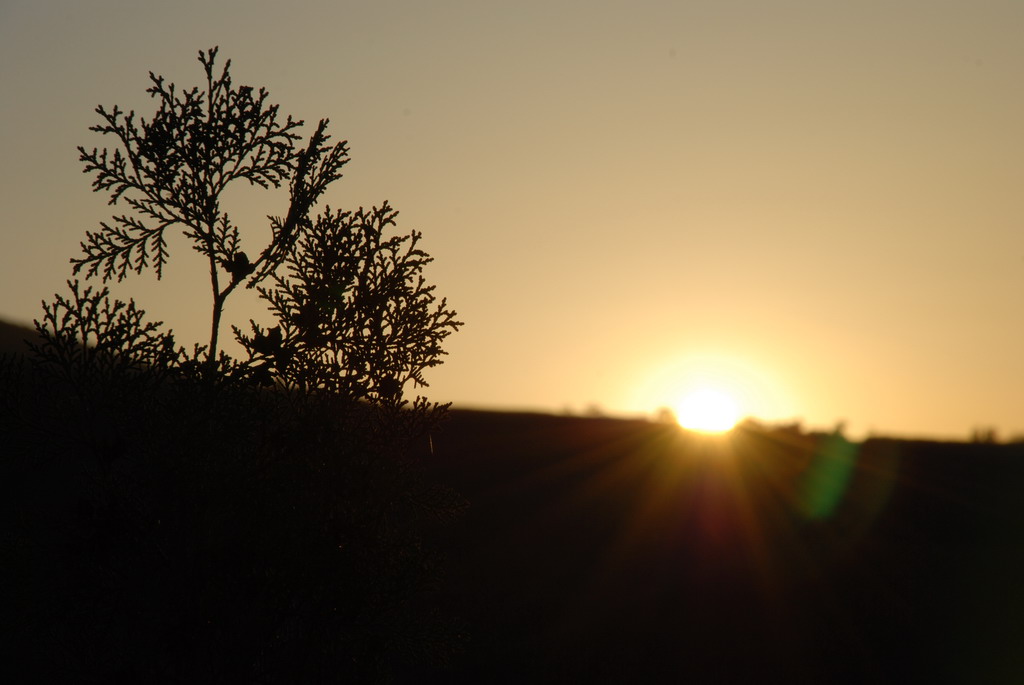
[612,551]
[600,550]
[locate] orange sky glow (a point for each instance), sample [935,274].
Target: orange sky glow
[814,206]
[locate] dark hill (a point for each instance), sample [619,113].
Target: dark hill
[13,336]
[613,551]
[600,550]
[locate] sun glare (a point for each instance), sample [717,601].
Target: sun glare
[710,392]
[707,410]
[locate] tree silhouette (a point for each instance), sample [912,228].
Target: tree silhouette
[172,170]
[185,515]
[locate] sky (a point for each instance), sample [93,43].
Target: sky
[811,204]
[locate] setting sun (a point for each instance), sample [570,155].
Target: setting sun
[712,392]
[707,410]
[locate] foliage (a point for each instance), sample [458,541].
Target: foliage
[357,316]
[173,169]
[186,516]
